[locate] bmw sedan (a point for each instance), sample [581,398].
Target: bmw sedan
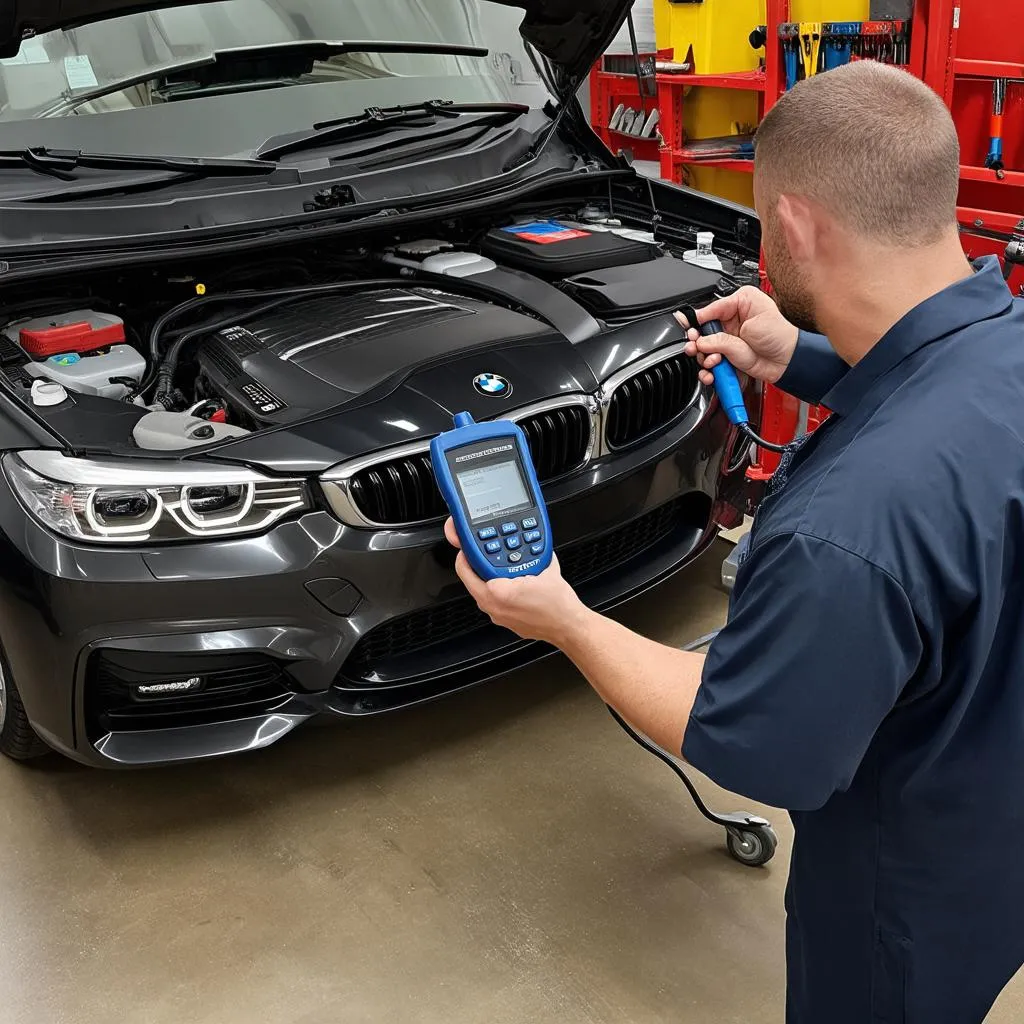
[254,255]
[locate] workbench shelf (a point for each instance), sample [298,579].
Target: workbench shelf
[969,68]
[610,88]
[745,166]
[752,81]
[986,174]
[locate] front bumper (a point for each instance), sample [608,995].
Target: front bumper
[331,618]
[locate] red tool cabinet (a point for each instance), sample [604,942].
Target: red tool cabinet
[959,48]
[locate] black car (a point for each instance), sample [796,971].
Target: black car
[254,254]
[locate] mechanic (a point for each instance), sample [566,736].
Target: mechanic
[870,679]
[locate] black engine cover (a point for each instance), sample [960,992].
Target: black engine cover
[317,354]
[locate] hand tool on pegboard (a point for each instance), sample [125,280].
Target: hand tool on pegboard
[994,160]
[878,40]
[789,36]
[837,38]
[810,46]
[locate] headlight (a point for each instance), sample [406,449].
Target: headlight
[148,502]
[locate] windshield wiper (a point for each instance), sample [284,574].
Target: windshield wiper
[249,63]
[376,121]
[61,163]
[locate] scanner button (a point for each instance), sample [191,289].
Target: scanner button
[529,524]
[516,556]
[531,536]
[537,549]
[493,547]
[509,528]
[512,543]
[487,533]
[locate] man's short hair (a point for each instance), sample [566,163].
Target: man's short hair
[870,143]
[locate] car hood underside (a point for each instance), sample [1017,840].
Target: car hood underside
[569,33]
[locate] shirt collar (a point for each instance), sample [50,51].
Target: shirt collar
[983,295]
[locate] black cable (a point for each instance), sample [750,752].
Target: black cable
[172,314]
[747,431]
[168,367]
[663,757]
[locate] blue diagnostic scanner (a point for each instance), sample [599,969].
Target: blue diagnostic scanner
[486,476]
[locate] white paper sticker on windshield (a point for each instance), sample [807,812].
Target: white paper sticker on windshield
[79,72]
[32,52]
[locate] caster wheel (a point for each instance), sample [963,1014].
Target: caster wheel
[752,847]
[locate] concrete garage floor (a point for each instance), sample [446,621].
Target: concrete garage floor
[503,857]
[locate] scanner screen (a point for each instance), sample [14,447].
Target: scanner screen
[493,489]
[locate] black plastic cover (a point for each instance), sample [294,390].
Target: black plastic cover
[618,293]
[558,249]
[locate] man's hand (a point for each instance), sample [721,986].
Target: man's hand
[540,607]
[758,339]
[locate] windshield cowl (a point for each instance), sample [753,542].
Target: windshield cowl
[41,214]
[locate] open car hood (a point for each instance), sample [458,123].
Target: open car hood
[570,33]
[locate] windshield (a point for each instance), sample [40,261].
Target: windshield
[131,84]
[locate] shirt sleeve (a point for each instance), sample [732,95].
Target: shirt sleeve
[818,648]
[814,369]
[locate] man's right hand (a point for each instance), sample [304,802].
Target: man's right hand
[758,339]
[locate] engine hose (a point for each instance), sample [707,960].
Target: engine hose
[200,301]
[253,293]
[167,369]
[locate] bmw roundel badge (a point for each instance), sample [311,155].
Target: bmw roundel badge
[493,385]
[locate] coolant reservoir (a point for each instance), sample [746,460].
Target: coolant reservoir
[94,372]
[82,350]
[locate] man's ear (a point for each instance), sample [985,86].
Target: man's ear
[798,222]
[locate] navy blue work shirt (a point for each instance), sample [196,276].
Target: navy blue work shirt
[871,677]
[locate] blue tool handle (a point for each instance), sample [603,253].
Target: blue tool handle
[727,384]
[995,153]
[791,56]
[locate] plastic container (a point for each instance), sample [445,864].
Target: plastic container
[91,374]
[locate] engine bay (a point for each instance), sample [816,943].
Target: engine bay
[170,359]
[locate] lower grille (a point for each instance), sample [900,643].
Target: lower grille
[232,686]
[403,491]
[580,563]
[650,400]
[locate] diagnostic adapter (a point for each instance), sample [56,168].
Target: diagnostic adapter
[727,384]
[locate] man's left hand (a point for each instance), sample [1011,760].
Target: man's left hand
[540,607]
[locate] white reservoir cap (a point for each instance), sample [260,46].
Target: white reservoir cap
[46,392]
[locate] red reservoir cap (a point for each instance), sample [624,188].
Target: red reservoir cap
[79,331]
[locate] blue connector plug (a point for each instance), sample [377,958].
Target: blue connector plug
[727,384]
